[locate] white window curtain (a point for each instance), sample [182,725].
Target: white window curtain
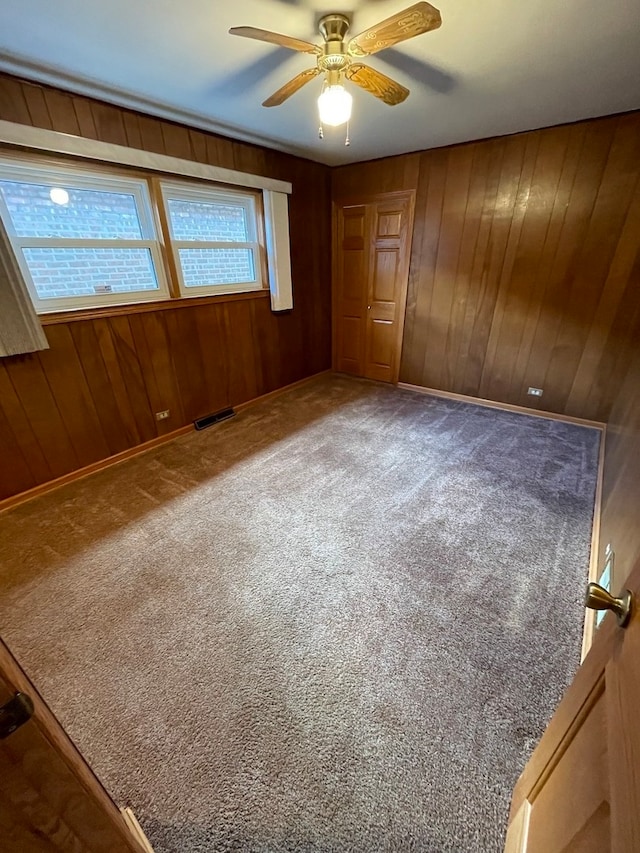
[20,329]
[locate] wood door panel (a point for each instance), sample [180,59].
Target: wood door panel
[568,799]
[389,223]
[371,265]
[387,290]
[385,272]
[353,271]
[351,267]
[353,227]
[595,834]
[580,791]
[623,704]
[380,349]
[351,348]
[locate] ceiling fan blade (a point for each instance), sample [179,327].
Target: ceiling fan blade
[291,87]
[414,21]
[275,38]
[378,84]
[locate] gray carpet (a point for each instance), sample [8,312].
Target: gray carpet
[337,622]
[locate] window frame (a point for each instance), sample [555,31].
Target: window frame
[189,191]
[57,174]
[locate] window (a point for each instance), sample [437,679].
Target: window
[213,238]
[81,240]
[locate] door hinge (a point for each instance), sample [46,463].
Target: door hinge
[14,714]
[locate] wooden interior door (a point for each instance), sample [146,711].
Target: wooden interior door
[50,800]
[372,240]
[580,791]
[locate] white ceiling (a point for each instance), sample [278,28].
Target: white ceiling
[494,67]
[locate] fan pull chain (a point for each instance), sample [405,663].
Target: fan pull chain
[347,140]
[320,132]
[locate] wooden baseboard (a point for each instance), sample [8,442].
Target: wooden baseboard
[136,830]
[22,497]
[507,407]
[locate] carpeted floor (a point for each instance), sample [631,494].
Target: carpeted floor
[337,622]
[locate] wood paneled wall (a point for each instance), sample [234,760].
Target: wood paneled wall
[524,266]
[95,392]
[620,520]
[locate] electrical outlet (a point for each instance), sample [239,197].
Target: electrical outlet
[162,416]
[535,392]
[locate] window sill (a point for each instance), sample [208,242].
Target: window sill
[146,307]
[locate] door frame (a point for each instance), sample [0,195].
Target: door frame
[369,198]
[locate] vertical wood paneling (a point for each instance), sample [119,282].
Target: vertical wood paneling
[567,145]
[239,350]
[100,385]
[429,204]
[618,303]
[37,106]
[16,468]
[106,344]
[42,413]
[620,519]
[454,201]
[108,123]
[591,264]
[13,104]
[480,296]
[129,361]
[502,345]
[151,134]
[61,108]
[391,174]
[97,389]
[176,141]
[461,316]
[20,426]
[154,357]
[522,264]
[64,375]
[86,120]
[182,332]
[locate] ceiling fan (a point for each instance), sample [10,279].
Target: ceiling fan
[335,59]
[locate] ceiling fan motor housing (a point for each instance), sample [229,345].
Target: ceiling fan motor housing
[334,56]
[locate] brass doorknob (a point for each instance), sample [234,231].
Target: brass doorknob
[597,598]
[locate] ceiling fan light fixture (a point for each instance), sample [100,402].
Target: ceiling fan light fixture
[334,105]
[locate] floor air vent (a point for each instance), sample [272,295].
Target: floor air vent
[216,417]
